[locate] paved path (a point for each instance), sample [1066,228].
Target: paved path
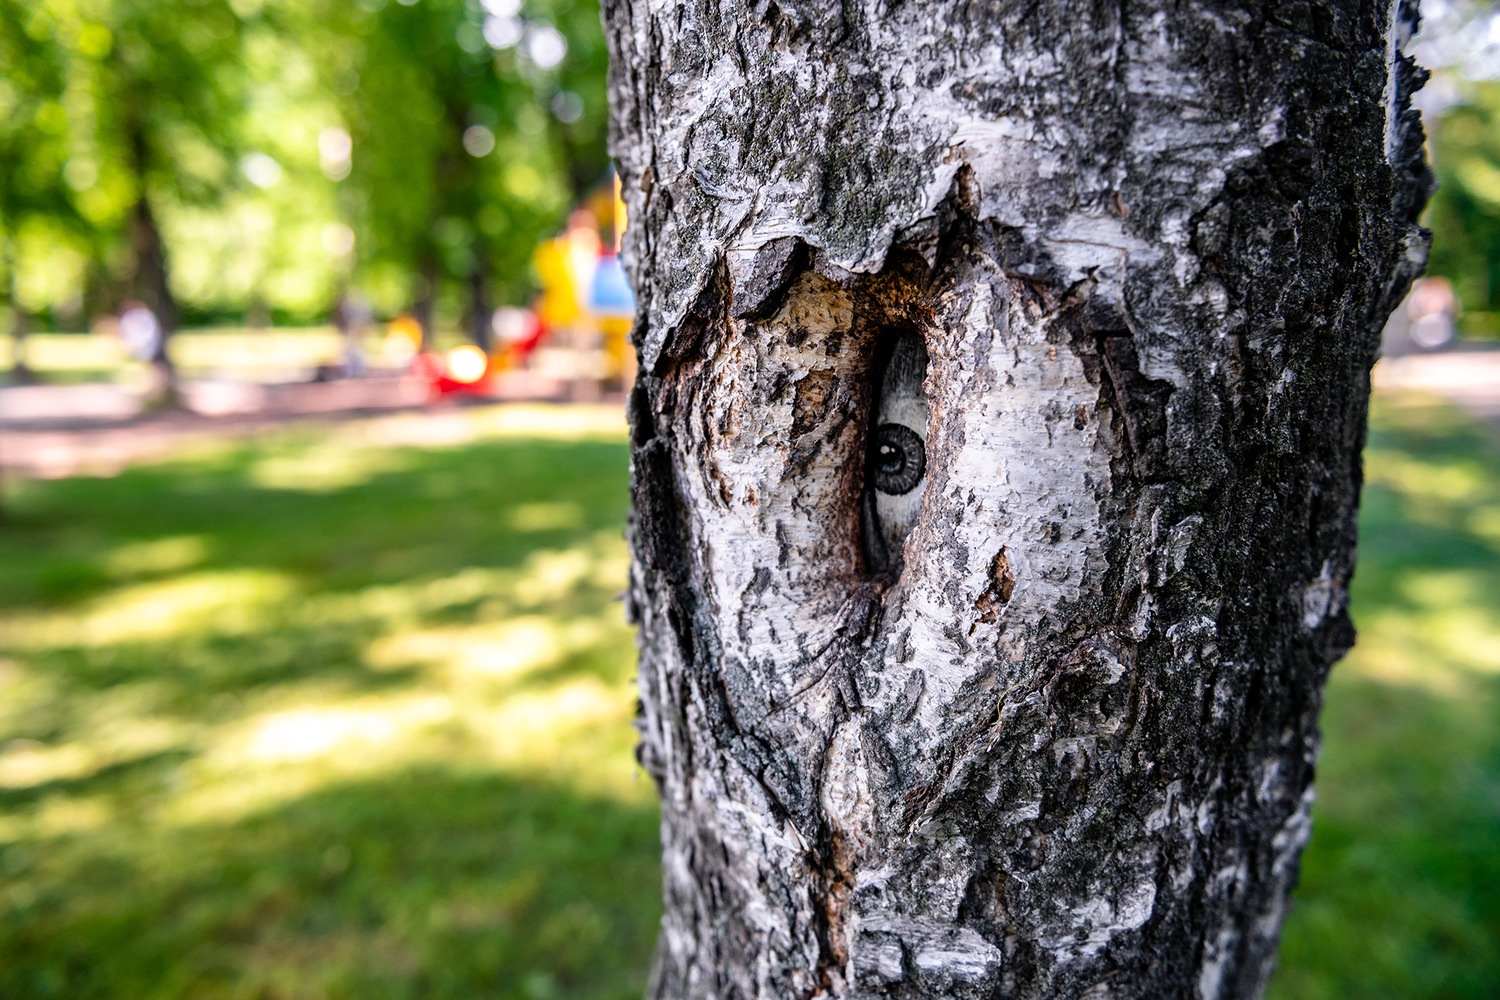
[1468,378]
[47,432]
[53,431]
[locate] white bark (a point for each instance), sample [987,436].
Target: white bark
[1062,743]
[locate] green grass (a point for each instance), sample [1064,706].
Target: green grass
[346,713]
[252,355]
[327,715]
[1400,891]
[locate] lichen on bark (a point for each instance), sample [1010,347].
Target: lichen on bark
[1064,745]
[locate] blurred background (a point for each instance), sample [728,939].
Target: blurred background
[313,678]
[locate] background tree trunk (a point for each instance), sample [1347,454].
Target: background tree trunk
[1059,742]
[148,273]
[424,302]
[20,331]
[20,322]
[480,330]
[154,288]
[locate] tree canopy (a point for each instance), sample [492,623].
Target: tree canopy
[290,151]
[281,153]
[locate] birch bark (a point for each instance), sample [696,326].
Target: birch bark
[1048,729]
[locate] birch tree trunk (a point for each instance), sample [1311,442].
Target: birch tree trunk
[996,453]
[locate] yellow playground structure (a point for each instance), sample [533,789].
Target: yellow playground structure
[585,298]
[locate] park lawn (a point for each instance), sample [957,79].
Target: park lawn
[273,354]
[346,713]
[75,357]
[1400,890]
[331,714]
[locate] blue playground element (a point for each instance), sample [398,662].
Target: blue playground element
[610,294]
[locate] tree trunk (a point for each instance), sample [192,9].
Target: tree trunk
[424,303]
[996,452]
[154,289]
[20,323]
[20,330]
[480,331]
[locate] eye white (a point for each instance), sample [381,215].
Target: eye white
[902,403]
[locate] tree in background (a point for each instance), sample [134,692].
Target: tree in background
[1465,212]
[1460,42]
[468,136]
[152,92]
[220,157]
[33,155]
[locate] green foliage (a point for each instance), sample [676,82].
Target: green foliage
[163,95]
[1465,211]
[33,119]
[226,116]
[263,244]
[130,101]
[40,229]
[415,79]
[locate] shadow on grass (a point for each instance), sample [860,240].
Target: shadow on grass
[427,515]
[120,773]
[224,627]
[431,883]
[413,511]
[308,717]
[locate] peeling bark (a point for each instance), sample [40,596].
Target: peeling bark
[1061,744]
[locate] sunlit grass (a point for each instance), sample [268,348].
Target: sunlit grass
[65,353]
[69,357]
[1400,894]
[342,713]
[346,714]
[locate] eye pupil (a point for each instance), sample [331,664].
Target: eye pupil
[900,459]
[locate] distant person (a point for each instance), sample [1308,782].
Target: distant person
[351,316]
[1433,309]
[141,332]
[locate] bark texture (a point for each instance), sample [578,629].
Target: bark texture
[1061,744]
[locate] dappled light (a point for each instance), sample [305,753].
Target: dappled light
[361,701]
[221,602]
[162,555]
[330,467]
[342,710]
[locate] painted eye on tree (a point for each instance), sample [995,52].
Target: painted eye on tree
[900,459]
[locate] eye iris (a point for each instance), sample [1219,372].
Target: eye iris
[900,459]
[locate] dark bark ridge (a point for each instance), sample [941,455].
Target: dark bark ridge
[1064,746]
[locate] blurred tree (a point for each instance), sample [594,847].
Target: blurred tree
[472,126]
[205,156]
[1465,212]
[33,152]
[272,245]
[153,90]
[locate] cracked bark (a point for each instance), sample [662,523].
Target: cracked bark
[1061,744]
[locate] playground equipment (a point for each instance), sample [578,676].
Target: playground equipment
[585,298]
[585,306]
